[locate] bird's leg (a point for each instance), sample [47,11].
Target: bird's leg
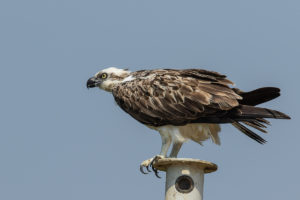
[166,142]
[175,149]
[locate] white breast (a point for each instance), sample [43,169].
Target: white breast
[196,132]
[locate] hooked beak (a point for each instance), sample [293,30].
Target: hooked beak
[93,82]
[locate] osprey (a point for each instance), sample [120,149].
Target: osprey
[186,104]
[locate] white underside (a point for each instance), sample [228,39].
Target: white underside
[196,132]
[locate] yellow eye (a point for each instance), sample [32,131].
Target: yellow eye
[104,75]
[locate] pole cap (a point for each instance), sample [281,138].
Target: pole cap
[163,163]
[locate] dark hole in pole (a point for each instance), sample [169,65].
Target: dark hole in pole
[184,184]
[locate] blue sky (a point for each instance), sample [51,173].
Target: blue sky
[60,141]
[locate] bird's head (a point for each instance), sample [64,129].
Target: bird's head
[107,78]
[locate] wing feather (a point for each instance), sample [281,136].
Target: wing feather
[177,97]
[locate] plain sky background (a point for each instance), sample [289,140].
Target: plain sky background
[60,141]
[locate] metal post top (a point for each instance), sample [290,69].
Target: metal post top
[163,163]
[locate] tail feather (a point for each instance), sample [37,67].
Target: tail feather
[248,132]
[258,123]
[261,120]
[254,117]
[258,96]
[277,115]
[253,125]
[251,112]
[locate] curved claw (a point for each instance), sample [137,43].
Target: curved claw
[156,174]
[152,161]
[142,169]
[154,170]
[148,169]
[148,164]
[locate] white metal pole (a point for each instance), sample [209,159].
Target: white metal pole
[184,177]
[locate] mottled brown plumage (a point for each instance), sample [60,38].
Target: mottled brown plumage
[160,97]
[179,97]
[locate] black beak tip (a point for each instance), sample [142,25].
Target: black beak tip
[90,83]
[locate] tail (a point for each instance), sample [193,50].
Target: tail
[254,117]
[258,96]
[244,112]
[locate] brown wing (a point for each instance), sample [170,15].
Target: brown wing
[176,97]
